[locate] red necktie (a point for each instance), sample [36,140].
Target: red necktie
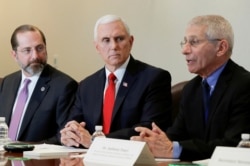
[17,114]
[109,100]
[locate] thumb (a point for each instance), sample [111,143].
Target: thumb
[83,124]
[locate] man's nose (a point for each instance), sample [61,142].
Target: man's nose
[186,48]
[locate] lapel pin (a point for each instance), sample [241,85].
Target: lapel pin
[42,89]
[125,84]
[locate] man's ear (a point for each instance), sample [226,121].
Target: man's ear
[13,54]
[131,40]
[96,47]
[223,47]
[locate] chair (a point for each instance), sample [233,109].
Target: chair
[176,91]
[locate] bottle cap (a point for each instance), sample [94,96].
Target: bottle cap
[245,136]
[2,119]
[98,127]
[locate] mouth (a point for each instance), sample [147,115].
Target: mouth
[189,61]
[114,54]
[37,62]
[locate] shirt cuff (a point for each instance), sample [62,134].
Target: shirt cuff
[176,150]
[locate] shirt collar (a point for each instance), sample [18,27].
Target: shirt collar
[33,78]
[213,78]
[119,73]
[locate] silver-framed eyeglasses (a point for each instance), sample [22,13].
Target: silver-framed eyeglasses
[195,42]
[28,50]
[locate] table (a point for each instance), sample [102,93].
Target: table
[9,157]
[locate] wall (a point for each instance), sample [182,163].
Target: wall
[157,25]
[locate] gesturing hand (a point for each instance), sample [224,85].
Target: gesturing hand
[157,140]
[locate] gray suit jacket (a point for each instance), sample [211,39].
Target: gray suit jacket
[47,109]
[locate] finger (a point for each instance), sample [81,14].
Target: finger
[83,124]
[85,138]
[70,138]
[145,132]
[69,123]
[69,142]
[136,138]
[156,129]
[141,129]
[72,123]
[75,127]
[66,129]
[82,132]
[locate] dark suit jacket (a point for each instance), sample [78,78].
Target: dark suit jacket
[47,110]
[144,96]
[229,114]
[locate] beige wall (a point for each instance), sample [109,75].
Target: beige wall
[157,25]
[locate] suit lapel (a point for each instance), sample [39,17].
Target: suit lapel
[12,96]
[97,106]
[220,89]
[127,82]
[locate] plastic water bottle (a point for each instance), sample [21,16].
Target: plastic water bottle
[3,131]
[245,141]
[98,133]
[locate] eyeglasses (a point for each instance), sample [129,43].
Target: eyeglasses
[195,42]
[28,51]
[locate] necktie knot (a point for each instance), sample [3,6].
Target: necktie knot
[26,82]
[24,91]
[206,86]
[112,77]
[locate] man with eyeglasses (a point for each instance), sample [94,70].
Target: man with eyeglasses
[222,115]
[36,112]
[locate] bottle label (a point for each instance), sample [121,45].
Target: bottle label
[3,133]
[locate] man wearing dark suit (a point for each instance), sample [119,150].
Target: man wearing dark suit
[51,92]
[198,128]
[143,92]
